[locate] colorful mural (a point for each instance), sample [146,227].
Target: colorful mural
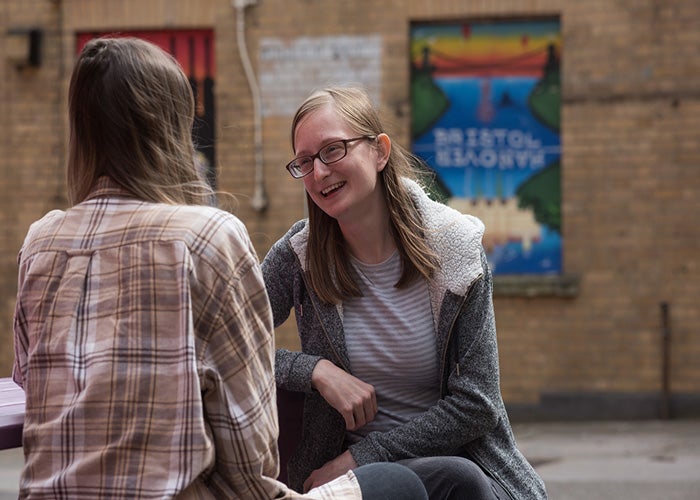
[486,118]
[194,50]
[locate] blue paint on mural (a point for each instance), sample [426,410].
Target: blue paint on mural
[478,158]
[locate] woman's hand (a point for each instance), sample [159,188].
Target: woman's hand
[354,399]
[330,470]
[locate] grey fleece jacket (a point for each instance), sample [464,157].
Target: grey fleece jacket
[469,420]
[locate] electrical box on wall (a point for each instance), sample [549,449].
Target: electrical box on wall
[23,47]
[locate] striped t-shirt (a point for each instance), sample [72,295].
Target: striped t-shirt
[391,343]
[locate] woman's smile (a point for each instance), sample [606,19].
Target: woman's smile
[331,189]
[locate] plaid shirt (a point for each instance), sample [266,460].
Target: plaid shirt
[143,340]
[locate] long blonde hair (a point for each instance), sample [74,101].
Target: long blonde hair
[131,111]
[327,257]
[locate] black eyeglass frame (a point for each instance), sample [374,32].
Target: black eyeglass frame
[319,154]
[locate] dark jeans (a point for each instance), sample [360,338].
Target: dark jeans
[389,481]
[454,478]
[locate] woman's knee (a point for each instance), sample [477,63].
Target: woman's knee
[389,481]
[451,477]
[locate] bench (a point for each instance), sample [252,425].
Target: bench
[11,414]
[290,409]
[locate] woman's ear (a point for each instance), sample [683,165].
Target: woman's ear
[383,150]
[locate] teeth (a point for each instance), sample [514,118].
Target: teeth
[331,188]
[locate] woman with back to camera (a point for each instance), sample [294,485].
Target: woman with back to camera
[393,302]
[143,333]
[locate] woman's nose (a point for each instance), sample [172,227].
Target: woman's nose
[321,170]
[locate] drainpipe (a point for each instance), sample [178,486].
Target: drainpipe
[59,199]
[665,361]
[259,200]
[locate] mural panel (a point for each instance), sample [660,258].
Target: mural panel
[486,119]
[194,50]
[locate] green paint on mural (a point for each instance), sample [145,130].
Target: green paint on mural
[541,193]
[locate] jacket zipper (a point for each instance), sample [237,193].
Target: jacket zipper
[449,337]
[328,337]
[444,361]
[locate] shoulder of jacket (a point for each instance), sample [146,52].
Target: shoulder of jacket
[297,238]
[455,237]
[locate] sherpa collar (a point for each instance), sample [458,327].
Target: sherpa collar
[455,237]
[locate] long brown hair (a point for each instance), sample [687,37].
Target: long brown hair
[327,257]
[131,111]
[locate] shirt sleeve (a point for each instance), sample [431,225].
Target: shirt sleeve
[232,318]
[20,332]
[344,487]
[238,380]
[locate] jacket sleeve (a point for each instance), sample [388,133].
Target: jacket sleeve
[280,269]
[20,328]
[277,269]
[472,404]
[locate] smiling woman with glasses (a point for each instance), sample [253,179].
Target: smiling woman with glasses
[392,297]
[330,153]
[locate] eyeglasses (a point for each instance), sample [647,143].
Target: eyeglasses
[330,153]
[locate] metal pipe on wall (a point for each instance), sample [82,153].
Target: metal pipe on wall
[259,200]
[60,199]
[665,361]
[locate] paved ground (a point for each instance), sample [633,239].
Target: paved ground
[645,460]
[10,464]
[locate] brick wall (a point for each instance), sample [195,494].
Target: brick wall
[630,181]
